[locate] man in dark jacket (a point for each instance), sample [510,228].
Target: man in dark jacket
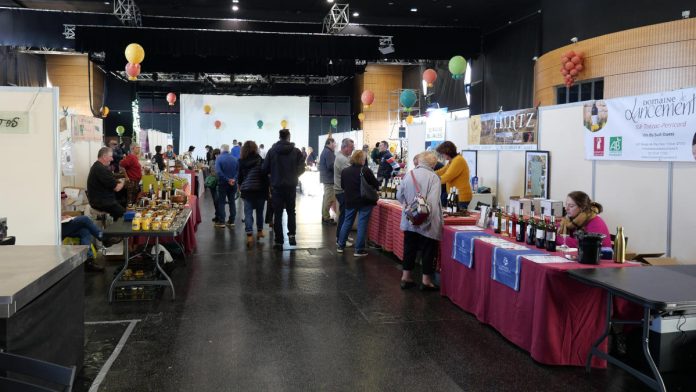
[284,163]
[385,168]
[326,176]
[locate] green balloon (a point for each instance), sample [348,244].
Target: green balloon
[334,122]
[457,65]
[120,130]
[259,124]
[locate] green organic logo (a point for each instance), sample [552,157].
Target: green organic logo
[615,145]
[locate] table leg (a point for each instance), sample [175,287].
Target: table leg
[161,270]
[646,350]
[120,273]
[181,246]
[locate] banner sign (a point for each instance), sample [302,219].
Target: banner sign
[86,128]
[652,127]
[513,130]
[463,247]
[14,122]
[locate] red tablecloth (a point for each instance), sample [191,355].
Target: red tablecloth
[553,317]
[188,236]
[384,225]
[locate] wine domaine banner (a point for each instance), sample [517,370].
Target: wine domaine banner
[653,127]
[513,130]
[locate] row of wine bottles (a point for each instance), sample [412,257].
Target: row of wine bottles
[540,232]
[389,189]
[452,205]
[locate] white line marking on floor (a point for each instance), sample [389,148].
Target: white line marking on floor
[121,343]
[111,322]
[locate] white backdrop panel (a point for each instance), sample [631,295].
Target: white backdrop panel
[487,167]
[511,181]
[683,244]
[30,196]
[561,132]
[415,133]
[239,115]
[456,131]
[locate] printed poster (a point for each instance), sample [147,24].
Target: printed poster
[652,127]
[86,128]
[512,130]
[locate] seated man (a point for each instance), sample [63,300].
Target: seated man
[102,185]
[83,228]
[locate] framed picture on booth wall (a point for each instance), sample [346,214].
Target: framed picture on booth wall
[537,167]
[471,158]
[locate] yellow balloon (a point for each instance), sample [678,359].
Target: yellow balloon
[135,53]
[284,124]
[105,111]
[207,109]
[361,116]
[409,120]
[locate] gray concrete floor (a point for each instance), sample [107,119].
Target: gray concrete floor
[307,320]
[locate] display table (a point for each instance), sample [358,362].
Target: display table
[656,290]
[42,302]
[187,237]
[125,230]
[385,221]
[553,317]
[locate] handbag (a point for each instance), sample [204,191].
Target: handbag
[418,211]
[367,192]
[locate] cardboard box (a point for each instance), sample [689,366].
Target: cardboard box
[551,207]
[524,205]
[536,203]
[661,260]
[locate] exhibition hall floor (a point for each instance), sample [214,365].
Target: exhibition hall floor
[303,320]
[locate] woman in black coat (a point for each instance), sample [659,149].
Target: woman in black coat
[254,189]
[355,203]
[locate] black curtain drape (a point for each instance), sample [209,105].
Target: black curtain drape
[446,91]
[21,69]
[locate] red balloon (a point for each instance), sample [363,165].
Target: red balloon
[367,97]
[132,70]
[564,59]
[576,60]
[569,65]
[564,71]
[171,98]
[579,67]
[580,54]
[218,124]
[570,54]
[430,75]
[573,72]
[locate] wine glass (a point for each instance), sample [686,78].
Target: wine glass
[564,234]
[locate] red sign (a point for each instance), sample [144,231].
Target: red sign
[599,146]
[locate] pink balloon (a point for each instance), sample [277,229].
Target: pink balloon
[564,71]
[580,54]
[564,59]
[573,72]
[576,60]
[570,54]
[579,67]
[569,65]
[132,70]
[429,75]
[218,124]
[171,98]
[367,97]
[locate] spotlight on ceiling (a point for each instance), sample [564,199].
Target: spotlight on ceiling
[235,8]
[356,14]
[329,1]
[414,9]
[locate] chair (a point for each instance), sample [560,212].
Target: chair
[60,376]
[98,216]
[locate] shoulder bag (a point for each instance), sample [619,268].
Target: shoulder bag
[418,211]
[367,192]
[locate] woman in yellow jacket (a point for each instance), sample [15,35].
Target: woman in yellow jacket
[455,173]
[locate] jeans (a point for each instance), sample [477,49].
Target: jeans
[82,227]
[283,199]
[214,193]
[413,242]
[341,198]
[226,196]
[363,214]
[112,208]
[251,205]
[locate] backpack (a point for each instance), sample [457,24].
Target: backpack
[418,211]
[211,181]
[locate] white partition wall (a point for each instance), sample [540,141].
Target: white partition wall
[415,133]
[238,116]
[683,246]
[30,180]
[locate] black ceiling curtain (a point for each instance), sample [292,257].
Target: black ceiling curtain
[508,67]
[21,69]
[446,91]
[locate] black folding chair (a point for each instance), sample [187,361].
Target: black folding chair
[11,364]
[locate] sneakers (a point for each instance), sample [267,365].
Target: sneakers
[230,223]
[349,244]
[360,253]
[260,234]
[110,241]
[291,240]
[339,250]
[220,225]
[329,222]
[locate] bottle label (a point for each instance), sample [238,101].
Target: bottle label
[529,230]
[540,234]
[551,236]
[519,228]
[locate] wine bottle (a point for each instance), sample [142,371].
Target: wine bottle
[498,220]
[151,192]
[531,229]
[455,201]
[512,224]
[551,230]
[521,228]
[620,246]
[504,222]
[541,232]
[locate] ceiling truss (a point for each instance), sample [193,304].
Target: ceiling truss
[337,19]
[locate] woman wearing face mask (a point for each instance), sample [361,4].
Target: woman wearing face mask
[582,214]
